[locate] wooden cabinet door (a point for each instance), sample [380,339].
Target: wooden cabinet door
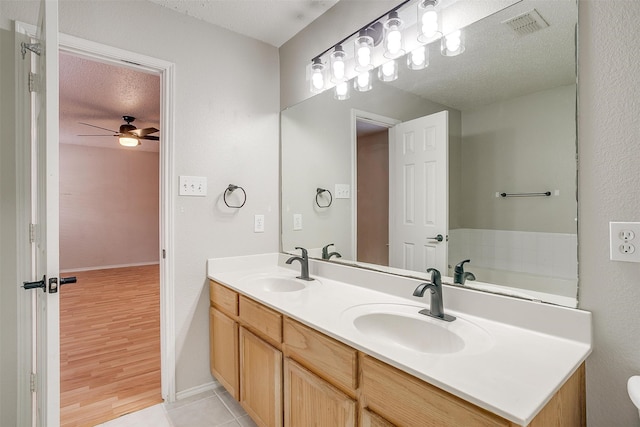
[223,351]
[311,401]
[260,380]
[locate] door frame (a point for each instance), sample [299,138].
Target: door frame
[166,70]
[381,121]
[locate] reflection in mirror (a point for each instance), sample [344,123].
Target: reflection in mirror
[505,113]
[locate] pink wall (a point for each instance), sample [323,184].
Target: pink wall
[109,207]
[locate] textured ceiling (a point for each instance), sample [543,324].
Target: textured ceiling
[272,21]
[499,64]
[100,94]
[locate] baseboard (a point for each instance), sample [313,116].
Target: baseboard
[106,267]
[197,390]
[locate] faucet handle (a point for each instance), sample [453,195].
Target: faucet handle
[435,276]
[304,252]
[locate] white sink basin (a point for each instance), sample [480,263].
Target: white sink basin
[394,325]
[278,283]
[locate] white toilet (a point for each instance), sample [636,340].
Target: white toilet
[633,386]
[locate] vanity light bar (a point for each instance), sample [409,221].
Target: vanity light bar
[389,31]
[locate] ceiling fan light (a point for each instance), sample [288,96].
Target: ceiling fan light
[129,141]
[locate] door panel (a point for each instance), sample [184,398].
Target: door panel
[45,202]
[418,207]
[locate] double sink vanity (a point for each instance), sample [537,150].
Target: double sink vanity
[350,348]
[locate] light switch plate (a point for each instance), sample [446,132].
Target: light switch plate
[624,241]
[297,222]
[193,186]
[258,224]
[343,191]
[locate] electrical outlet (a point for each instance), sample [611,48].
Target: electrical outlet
[297,222]
[624,241]
[193,186]
[342,191]
[258,224]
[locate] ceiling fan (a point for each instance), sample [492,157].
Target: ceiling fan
[128,135]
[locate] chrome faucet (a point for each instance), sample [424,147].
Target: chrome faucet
[304,264]
[459,275]
[327,255]
[436,307]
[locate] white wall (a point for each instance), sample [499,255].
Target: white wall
[608,145]
[525,144]
[109,207]
[226,127]
[608,185]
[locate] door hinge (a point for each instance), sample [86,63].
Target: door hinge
[32,382]
[32,82]
[164,254]
[32,233]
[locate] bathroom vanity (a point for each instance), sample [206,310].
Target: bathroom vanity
[350,349]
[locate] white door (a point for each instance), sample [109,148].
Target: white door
[418,193]
[45,217]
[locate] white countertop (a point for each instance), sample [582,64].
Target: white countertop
[532,350]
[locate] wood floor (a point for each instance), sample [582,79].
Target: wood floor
[109,344]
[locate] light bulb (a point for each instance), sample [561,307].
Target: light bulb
[342,91]
[418,58]
[394,42]
[342,88]
[430,23]
[317,80]
[388,71]
[364,56]
[337,64]
[317,76]
[363,80]
[362,83]
[338,69]
[453,41]
[389,68]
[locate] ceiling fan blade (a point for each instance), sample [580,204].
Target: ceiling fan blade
[98,135]
[143,132]
[94,126]
[151,137]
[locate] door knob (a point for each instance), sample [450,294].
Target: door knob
[439,238]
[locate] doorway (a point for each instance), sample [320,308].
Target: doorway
[372,159]
[110,361]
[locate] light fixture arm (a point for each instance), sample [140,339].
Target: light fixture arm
[367,28]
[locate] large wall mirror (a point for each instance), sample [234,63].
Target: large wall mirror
[502,191]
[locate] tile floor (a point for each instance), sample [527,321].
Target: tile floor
[215,408]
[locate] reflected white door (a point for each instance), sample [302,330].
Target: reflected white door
[418,193]
[46,212]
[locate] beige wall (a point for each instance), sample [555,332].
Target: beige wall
[109,207]
[608,145]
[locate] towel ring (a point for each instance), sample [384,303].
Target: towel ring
[230,189]
[319,191]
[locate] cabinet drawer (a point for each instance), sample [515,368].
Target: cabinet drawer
[223,298]
[261,319]
[332,360]
[408,401]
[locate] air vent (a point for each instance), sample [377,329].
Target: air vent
[527,23]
